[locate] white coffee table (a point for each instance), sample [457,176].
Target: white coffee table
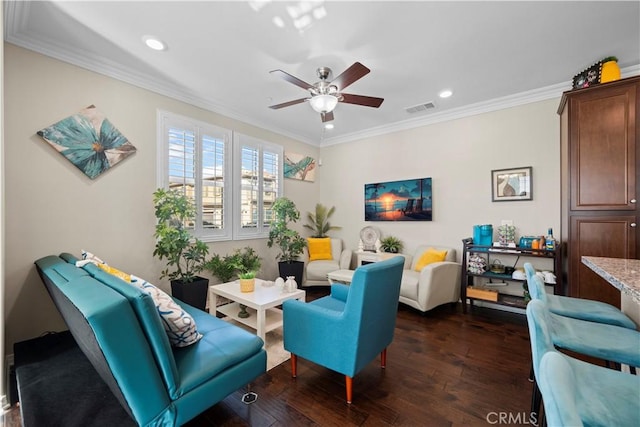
[261,303]
[340,276]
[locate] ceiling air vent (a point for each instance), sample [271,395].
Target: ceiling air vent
[420,107]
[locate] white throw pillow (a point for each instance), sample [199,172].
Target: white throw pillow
[178,324]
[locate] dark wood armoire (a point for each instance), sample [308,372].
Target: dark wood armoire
[599,135]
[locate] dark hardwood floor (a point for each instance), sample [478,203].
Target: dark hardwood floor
[444,368]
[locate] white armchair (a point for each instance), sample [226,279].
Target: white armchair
[437,283]
[316,271]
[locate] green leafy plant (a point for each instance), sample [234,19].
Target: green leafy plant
[289,241]
[247,275]
[391,244]
[244,263]
[319,222]
[221,267]
[185,255]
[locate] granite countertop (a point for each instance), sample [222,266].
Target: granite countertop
[624,274]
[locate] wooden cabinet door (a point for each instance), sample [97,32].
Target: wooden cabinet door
[606,236]
[602,148]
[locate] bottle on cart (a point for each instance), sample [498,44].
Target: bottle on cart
[550,242]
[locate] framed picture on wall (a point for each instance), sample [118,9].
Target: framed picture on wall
[511,184]
[406,200]
[297,166]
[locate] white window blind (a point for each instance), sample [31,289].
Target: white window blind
[232,178]
[259,166]
[195,159]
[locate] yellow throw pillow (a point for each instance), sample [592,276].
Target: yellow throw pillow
[319,248]
[119,274]
[429,257]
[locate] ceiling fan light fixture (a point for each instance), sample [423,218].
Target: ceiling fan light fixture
[323,103]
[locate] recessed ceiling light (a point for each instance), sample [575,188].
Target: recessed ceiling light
[328,126]
[445,93]
[154,43]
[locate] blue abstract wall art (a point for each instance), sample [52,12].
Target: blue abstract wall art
[89,141]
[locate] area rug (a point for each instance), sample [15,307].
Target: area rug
[276,354]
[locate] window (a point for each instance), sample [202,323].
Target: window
[258,173]
[233,179]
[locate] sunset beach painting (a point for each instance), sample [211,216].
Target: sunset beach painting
[408,200]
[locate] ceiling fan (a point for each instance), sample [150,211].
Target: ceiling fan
[326,94]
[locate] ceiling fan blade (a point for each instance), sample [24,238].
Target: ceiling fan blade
[326,117]
[367,101]
[350,75]
[288,104]
[291,79]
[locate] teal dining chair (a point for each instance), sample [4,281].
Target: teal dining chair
[603,341]
[347,329]
[583,309]
[577,393]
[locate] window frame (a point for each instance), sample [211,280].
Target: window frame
[232,196]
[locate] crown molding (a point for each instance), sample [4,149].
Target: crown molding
[16,15]
[522,98]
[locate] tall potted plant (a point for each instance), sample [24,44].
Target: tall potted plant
[185,255]
[289,241]
[318,222]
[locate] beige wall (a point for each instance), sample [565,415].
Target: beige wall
[458,155]
[52,207]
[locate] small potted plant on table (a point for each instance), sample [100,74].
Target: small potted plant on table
[241,263]
[246,263]
[185,254]
[391,244]
[290,242]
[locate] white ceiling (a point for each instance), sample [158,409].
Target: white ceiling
[491,54]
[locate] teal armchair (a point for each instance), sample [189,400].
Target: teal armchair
[347,329]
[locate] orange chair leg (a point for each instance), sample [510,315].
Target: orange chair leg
[349,384]
[383,359]
[294,365]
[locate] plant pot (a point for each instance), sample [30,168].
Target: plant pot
[291,268]
[193,293]
[247,285]
[610,72]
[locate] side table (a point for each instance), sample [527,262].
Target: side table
[340,276]
[366,257]
[261,304]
